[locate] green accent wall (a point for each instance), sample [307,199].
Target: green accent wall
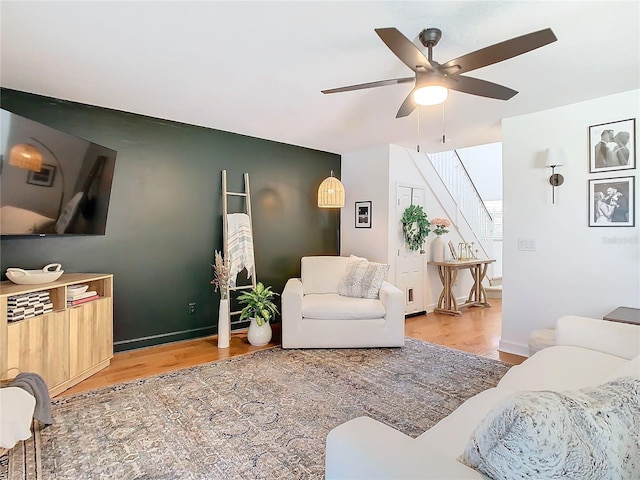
[165,215]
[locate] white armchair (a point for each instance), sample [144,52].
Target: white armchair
[315,315]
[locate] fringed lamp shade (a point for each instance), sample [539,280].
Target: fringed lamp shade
[25,155]
[331,193]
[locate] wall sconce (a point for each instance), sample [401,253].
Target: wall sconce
[554,158]
[27,156]
[331,193]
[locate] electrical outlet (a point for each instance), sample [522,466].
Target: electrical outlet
[192,308]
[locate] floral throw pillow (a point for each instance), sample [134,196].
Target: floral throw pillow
[362,278]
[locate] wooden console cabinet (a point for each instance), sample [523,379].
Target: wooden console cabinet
[64,346]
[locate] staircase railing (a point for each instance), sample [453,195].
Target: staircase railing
[457,180]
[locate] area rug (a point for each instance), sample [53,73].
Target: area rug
[263,415]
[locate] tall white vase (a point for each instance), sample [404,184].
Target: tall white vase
[437,249]
[259,335]
[224,324]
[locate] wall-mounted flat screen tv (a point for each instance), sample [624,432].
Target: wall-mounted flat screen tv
[51,183]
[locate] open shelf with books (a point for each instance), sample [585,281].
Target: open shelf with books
[80,293]
[68,340]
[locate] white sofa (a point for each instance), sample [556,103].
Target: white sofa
[588,353]
[314,315]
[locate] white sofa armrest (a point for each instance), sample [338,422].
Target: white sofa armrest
[391,296]
[393,300]
[366,449]
[619,339]
[291,310]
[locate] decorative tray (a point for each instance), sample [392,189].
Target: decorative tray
[50,273]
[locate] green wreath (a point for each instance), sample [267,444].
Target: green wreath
[415,226]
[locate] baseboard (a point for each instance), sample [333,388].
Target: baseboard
[494,291]
[170,337]
[513,347]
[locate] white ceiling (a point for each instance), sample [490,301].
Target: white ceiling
[257,68]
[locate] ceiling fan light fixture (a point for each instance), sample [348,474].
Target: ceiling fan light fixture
[433,80]
[430,95]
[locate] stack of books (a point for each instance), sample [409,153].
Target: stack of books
[28,305]
[78,294]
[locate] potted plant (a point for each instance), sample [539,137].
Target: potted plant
[259,309]
[437,246]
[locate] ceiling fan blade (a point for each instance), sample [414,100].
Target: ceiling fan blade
[407,106]
[501,51]
[404,49]
[361,86]
[475,86]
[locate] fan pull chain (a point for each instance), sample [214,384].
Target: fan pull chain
[418,145]
[444,126]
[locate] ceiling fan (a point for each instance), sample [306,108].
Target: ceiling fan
[433,80]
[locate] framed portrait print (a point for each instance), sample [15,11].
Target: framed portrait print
[43,178]
[612,146]
[611,202]
[363,214]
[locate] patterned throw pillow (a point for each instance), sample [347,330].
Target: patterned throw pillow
[362,278]
[589,433]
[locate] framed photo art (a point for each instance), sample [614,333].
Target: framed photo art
[43,178]
[611,202]
[612,146]
[363,214]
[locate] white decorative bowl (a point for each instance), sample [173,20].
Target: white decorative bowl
[77,289]
[50,273]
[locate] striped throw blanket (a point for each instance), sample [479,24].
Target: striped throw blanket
[239,245]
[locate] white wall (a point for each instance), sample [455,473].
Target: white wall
[365,175]
[575,269]
[484,166]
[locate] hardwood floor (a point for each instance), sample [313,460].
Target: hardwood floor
[476,331]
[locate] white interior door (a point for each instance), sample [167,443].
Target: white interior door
[410,266]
